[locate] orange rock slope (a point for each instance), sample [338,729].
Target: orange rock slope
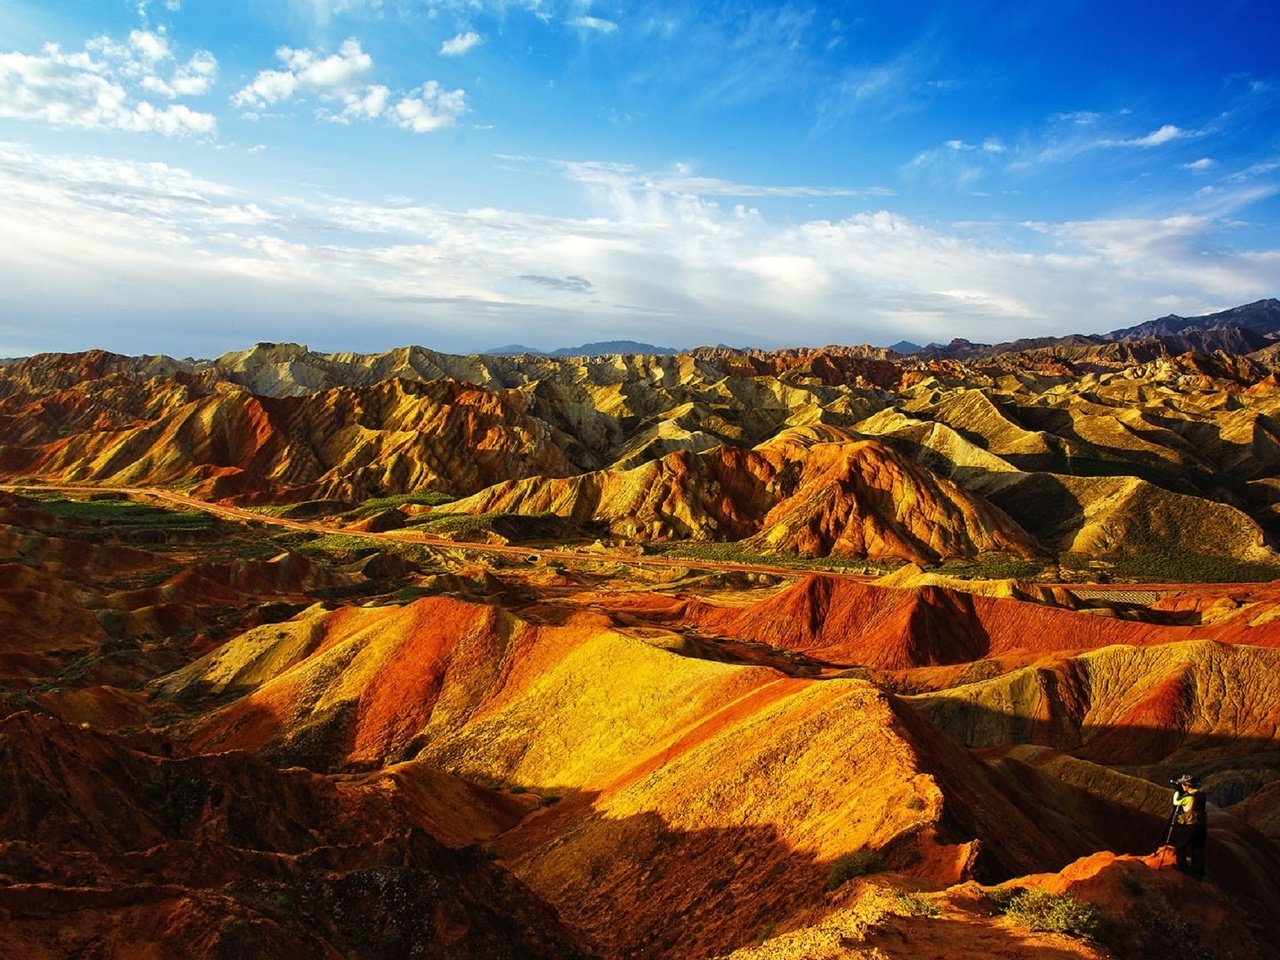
[703,799]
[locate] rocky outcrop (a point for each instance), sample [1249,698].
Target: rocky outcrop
[109,850]
[815,493]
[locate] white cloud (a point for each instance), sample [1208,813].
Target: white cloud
[372,103]
[1261,169]
[652,258]
[1155,138]
[196,76]
[173,6]
[460,44]
[431,108]
[597,24]
[306,72]
[339,78]
[1201,165]
[621,177]
[105,91]
[150,47]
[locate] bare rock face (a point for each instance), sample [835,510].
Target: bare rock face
[347,442]
[838,497]
[219,855]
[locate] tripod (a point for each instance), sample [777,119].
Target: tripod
[1168,838]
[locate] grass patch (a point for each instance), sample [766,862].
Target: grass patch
[146,580]
[735,552]
[514,526]
[1039,910]
[123,514]
[915,905]
[435,522]
[346,548]
[424,498]
[303,509]
[1171,567]
[232,550]
[850,865]
[994,566]
[338,545]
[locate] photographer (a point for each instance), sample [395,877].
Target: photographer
[1189,827]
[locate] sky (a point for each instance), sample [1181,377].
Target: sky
[189,177]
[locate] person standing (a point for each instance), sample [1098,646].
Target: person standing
[1190,826]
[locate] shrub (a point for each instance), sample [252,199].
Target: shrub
[1038,909]
[851,865]
[916,905]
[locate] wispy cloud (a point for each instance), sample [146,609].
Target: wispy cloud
[460,44]
[890,88]
[1069,137]
[661,261]
[1156,138]
[595,24]
[173,6]
[1200,166]
[681,180]
[105,86]
[956,163]
[568,284]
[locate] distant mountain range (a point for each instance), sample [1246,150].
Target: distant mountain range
[1242,329]
[1239,330]
[1261,316]
[599,349]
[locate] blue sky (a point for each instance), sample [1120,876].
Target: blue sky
[187,177]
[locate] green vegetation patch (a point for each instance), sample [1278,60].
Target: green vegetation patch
[512,526]
[850,865]
[993,566]
[915,905]
[440,522]
[1039,910]
[345,548]
[124,514]
[376,505]
[736,552]
[303,509]
[1187,567]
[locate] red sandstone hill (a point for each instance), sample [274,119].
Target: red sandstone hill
[811,492]
[695,797]
[1108,445]
[868,625]
[346,442]
[671,765]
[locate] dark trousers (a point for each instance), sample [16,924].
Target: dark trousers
[1188,846]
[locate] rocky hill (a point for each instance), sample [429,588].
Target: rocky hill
[829,653]
[1151,455]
